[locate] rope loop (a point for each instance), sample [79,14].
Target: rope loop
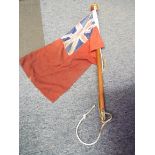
[109,117]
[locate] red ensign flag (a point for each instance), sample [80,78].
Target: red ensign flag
[54,68]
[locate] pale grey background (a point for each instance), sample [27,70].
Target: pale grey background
[49,129]
[30,26]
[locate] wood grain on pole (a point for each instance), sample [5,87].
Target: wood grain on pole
[101,97]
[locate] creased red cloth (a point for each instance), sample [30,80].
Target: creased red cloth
[53,71]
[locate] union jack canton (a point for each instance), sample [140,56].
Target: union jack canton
[79,34]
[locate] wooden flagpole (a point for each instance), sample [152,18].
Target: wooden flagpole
[101,97]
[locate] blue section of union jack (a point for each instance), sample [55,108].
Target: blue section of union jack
[79,34]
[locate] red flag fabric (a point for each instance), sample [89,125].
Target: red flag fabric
[54,68]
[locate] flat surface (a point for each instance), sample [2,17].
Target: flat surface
[30,26]
[49,129]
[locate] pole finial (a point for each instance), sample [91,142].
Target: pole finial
[94,6]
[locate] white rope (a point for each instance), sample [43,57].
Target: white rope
[103,124]
[103,62]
